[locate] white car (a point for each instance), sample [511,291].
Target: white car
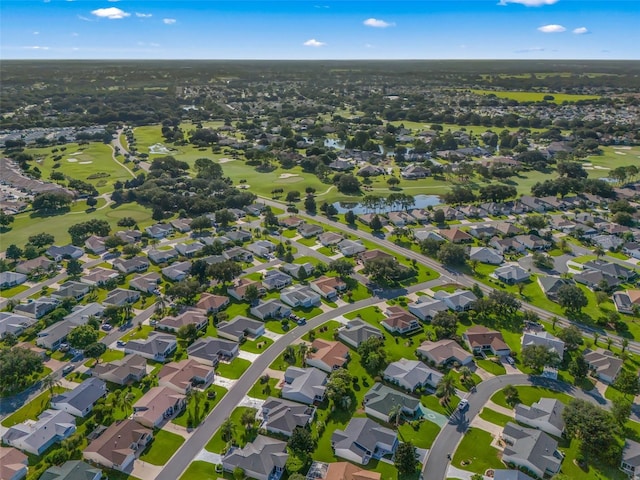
[464,403]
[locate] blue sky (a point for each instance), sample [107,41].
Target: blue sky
[303,29]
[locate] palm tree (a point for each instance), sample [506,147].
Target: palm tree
[197,396]
[161,304]
[596,336]
[290,353]
[126,401]
[466,376]
[446,389]
[609,342]
[599,251]
[226,429]
[395,413]
[248,418]
[50,383]
[303,350]
[624,344]
[127,309]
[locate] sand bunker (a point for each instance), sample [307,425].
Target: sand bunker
[619,153]
[587,164]
[599,167]
[244,186]
[621,148]
[288,175]
[76,153]
[226,160]
[72,160]
[158,148]
[85,162]
[587,168]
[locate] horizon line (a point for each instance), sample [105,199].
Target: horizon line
[326,59]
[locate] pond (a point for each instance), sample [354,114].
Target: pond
[421,201]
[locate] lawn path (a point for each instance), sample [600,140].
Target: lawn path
[113,156]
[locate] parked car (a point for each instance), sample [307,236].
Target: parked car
[107,327]
[463,405]
[68,369]
[120,343]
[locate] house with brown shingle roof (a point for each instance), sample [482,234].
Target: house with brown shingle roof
[191,316]
[327,355]
[119,445]
[13,464]
[211,303]
[328,287]
[157,405]
[480,338]
[400,321]
[129,369]
[181,376]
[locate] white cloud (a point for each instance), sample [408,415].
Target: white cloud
[112,13]
[552,28]
[36,47]
[36,33]
[143,15]
[528,3]
[580,30]
[313,43]
[169,21]
[377,23]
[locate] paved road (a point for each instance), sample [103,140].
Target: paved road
[460,278]
[435,468]
[183,457]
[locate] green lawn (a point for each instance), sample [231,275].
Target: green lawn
[264,390]
[433,403]
[240,434]
[32,409]
[138,333]
[475,452]
[594,470]
[324,331]
[233,370]
[164,445]
[11,292]
[536,96]
[491,367]
[495,417]
[422,433]
[529,395]
[201,471]
[256,346]
[205,406]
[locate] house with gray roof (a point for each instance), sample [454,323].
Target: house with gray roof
[612,269]
[189,316]
[295,269]
[596,280]
[444,352]
[72,470]
[239,328]
[159,230]
[147,283]
[11,279]
[380,400]
[276,280]
[52,426]
[263,459]
[162,256]
[362,440]
[486,255]
[504,474]
[510,274]
[604,364]
[129,369]
[357,331]
[282,416]
[458,301]
[55,334]
[630,462]
[330,238]
[411,374]
[157,346]
[238,254]
[98,276]
[262,248]
[14,323]
[238,235]
[120,297]
[131,265]
[607,242]
[531,449]
[300,296]
[177,271]
[210,351]
[428,235]
[41,263]
[545,415]
[272,308]
[551,284]
[71,289]
[304,385]
[67,251]
[535,337]
[80,401]
[37,308]
[308,230]
[350,248]
[425,308]
[189,249]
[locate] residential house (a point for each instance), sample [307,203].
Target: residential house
[531,449]
[534,337]
[210,351]
[262,248]
[425,308]
[596,280]
[157,405]
[451,213]
[399,321]
[239,328]
[632,249]
[39,264]
[238,290]
[13,464]
[532,204]
[129,236]
[507,245]
[272,308]
[190,316]
[473,211]
[71,289]
[296,270]
[162,256]
[147,283]
[482,231]
[263,459]
[486,255]
[276,280]
[300,296]
[119,445]
[238,254]
[419,215]
[357,331]
[505,474]
[182,225]
[120,297]
[304,385]
[178,271]
[412,172]
[328,287]
[380,401]
[130,369]
[211,303]
[308,230]
[480,338]
[11,279]
[95,244]
[400,219]
[350,248]
[616,270]
[511,274]
[443,352]
[607,242]
[411,374]
[240,236]
[627,301]
[131,265]
[183,375]
[159,230]
[421,235]
[282,416]
[533,242]
[290,222]
[604,364]
[458,301]
[157,346]
[455,235]
[66,252]
[327,355]
[551,284]
[14,323]
[35,437]
[370,171]
[363,440]
[545,415]
[98,276]
[327,239]
[37,308]
[189,250]
[630,462]
[80,401]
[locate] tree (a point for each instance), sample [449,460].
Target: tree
[248,418]
[94,350]
[51,201]
[405,459]
[439,217]
[348,184]
[224,272]
[350,217]
[511,395]
[466,376]
[571,336]
[592,425]
[127,222]
[292,196]
[301,441]
[446,389]
[451,254]
[184,291]
[395,414]
[445,324]
[41,240]
[92,202]
[224,217]
[537,357]
[572,298]
[199,224]
[226,429]
[74,268]
[372,354]
[543,261]
[13,252]
[310,204]
[393,182]
[386,270]
[251,294]
[504,303]
[579,367]
[343,267]
[339,389]
[17,369]
[238,473]
[82,336]
[627,382]
[376,223]
[621,410]
[5,219]
[50,383]
[188,332]
[535,222]
[598,251]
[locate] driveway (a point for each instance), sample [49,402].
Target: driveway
[434,417]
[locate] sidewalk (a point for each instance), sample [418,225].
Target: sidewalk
[498,408]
